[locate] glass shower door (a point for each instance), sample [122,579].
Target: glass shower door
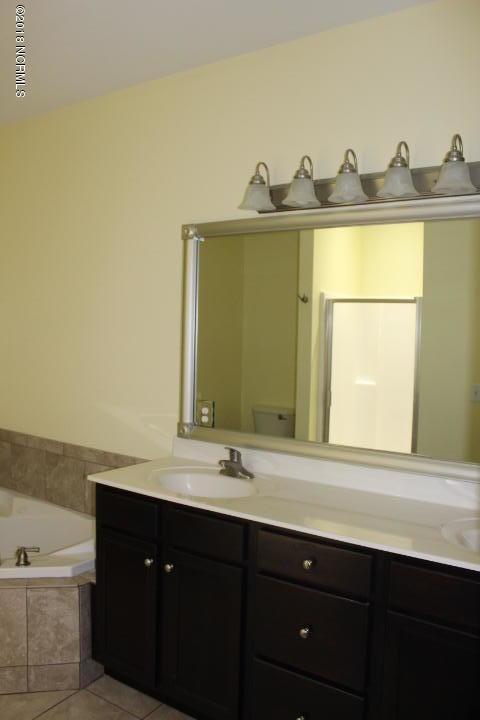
[372,348]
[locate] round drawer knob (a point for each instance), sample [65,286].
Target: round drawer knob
[305,633]
[307,564]
[168,567]
[148,562]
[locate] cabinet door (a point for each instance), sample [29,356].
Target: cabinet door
[202,634]
[127,605]
[430,672]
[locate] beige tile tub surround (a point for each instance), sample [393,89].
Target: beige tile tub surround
[5,462]
[54,471]
[46,635]
[53,626]
[13,645]
[13,680]
[53,677]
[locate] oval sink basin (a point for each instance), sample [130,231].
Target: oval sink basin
[464,532]
[202,482]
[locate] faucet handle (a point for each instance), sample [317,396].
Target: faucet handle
[22,556]
[235,455]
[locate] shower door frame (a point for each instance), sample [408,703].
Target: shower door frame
[328,339]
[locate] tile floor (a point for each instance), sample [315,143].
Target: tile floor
[105,699]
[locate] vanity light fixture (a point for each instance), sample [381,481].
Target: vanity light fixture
[454,178]
[301,193]
[398,178]
[257,193]
[348,188]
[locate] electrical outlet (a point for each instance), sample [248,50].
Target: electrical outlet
[475,393]
[206,413]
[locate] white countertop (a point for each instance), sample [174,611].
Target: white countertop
[387,522]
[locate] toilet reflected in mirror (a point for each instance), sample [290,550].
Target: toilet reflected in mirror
[274,421]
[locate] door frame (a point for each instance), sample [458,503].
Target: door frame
[328,345]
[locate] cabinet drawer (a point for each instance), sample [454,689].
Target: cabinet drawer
[128,512]
[439,596]
[205,535]
[285,695]
[312,563]
[336,639]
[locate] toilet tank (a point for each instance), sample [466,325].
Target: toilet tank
[274,421]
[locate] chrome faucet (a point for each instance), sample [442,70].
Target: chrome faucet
[233,466]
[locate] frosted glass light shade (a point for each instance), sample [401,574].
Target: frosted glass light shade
[454,179]
[301,194]
[257,197]
[398,183]
[348,188]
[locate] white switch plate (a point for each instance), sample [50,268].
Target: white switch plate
[476,393]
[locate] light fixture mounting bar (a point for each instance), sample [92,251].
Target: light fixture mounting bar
[423,178]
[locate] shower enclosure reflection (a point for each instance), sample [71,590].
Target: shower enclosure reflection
[371,348]
[356,336]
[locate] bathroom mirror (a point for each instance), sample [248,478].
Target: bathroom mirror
[357,339]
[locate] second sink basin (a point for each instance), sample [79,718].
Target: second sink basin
[203,482]
[464,532]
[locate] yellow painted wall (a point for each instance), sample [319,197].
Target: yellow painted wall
[370,261]
[92,199]
[338,261]
[336,271]
[449,357]
[392,260]
[247,324]
[270,322]
[220,327]
[306,388]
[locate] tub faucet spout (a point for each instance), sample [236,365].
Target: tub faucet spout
[21,554]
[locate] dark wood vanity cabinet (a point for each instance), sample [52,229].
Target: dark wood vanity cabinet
[286,695]
[430,672]
[203,612]
[231,620]
[170,599]
[127,599]
[311,628]
[432,651]
[202,621]
[127,584]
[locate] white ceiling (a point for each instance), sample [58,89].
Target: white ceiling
[78,49]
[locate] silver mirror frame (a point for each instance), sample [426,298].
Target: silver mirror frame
[395,211]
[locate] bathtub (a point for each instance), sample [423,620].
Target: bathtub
[65,538]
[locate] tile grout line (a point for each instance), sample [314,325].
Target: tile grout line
[44,712]
[157,708]
[138,717]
